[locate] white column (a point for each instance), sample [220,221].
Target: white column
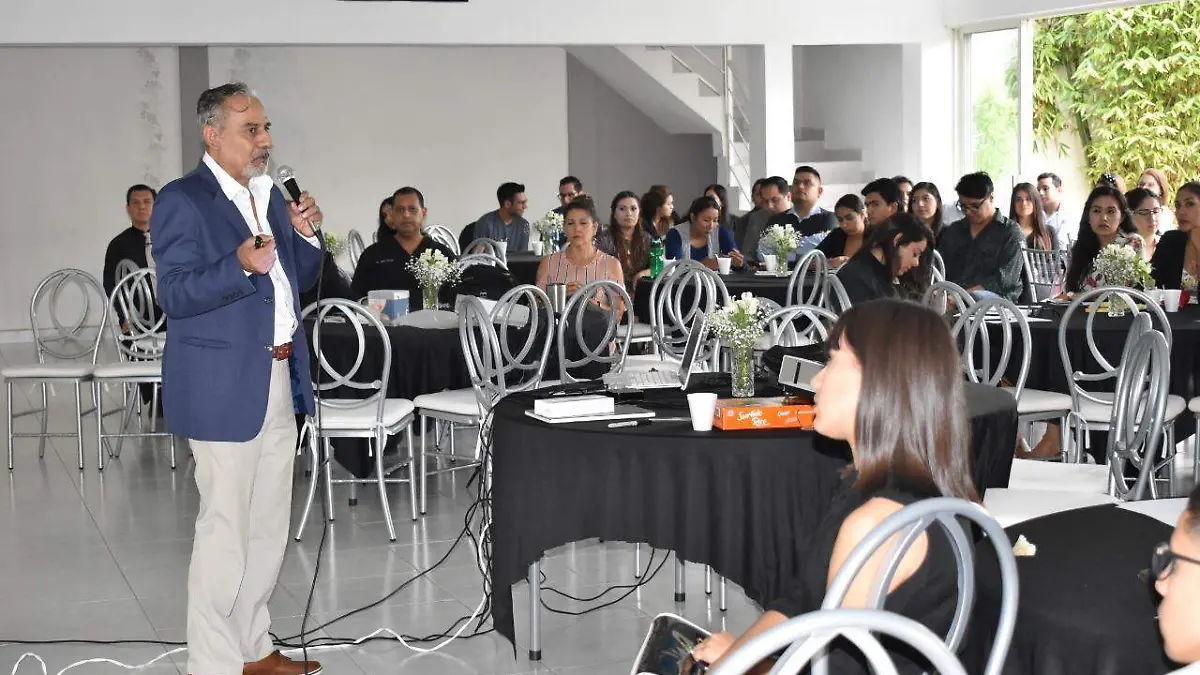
[1025,102]
[928,106]
[770,84]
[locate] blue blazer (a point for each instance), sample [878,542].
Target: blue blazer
[220,322]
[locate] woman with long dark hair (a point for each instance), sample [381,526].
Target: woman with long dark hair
[1176,261]
[701,237]
[1106,220]
[893,390]
[842,244]
[719,193]
[895,261]
[926,203]
[580,263]
[1025,209]
[658,211]
[385,213]
[624,240]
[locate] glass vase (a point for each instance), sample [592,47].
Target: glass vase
[429,297]
[742,371]
[1116,306]
[781,266]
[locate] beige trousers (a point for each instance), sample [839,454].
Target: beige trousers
[241,536]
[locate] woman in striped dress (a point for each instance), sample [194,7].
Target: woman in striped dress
[580,263]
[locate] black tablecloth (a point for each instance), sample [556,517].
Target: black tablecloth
[524,266]
[1082,607]
[742,502]
[762,286]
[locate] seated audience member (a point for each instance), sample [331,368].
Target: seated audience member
[811,221]
[506,223]
[1175,566]
[1025,209]
[843,243]
[926,202]
[882,199]
[895,261]
[742,223]
[131,243]
[384,265]
[906,189]
[1157,182]
[1147,210]
[1113,180]
[569,188]
[1107,221]
[983,250]
[806,192]
[580,263]
[702,236]
[658,211]
[385,213]
[721,195]
[625,240]
[1176,261]
[1065,226]
[777,200]
[893,390]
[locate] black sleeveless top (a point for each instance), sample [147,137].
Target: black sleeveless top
[928,596]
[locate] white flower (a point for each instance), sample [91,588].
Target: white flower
[550,225]
[740,322]
[783,240]
[433,269]
[1121,265]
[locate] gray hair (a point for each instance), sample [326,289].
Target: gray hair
[210,109]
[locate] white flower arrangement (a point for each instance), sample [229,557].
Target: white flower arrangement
[739,324]
[783,240]
[434,270]
[334,245]
[550,226]
[1120,265]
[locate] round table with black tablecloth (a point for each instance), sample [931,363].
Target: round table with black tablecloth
[1083,607]
[742,502]
[524,266]
[760,285]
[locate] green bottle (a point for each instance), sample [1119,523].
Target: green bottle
[657,252]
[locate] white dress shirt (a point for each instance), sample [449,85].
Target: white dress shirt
[1065,225]
[260,192]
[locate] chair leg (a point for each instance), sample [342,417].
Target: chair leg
[707,580]
[637,561]
[680,593]
[312,486]
[380,439]
[153,407]
[412,471]
[172,443]
[722,604]
[325,464]
[79,424]
[97,397]
[8,388]
[45,422]
[424,476]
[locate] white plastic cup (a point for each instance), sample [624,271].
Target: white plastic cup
[1156,296]
[503,246]
[769,262]
[702,406]
[724,264]
[1171,297]
[536,246]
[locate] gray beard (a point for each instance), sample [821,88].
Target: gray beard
[253,171]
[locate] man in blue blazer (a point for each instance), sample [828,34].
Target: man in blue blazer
[232,257]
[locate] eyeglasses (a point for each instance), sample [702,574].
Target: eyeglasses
[568,196]
[1162,563]
[1148,212]
[970,207]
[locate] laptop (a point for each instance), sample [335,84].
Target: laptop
[664,379]
[798,373]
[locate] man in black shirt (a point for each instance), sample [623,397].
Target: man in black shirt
[384,265]
[982,251]
[132,242]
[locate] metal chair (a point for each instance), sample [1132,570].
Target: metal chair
[354,248]
[489,246]
[374,417]
[837,300]
[799,325]
[683,292]
[66,352]
[518,365]
[1044,272]
[939,266]
[481,259]
[612,347]
[442,235]
[944,294]
[809,634]
[896,535]
[139,346]
[1092,410]
[807,285]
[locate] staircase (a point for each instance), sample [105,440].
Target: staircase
[690,90]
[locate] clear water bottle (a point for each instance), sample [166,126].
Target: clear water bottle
[657,253]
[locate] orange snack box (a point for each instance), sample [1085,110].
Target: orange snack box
[763,413]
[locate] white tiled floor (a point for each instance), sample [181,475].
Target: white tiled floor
[104,556]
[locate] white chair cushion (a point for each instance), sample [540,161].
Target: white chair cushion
[1029,474]
[461,402]
[1194,405]
[1165,510]
[1010,507]
[48,371]
[1035,401]
[1102,412]
[363,417]
[129,369]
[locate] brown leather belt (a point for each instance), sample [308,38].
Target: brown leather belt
[282,352]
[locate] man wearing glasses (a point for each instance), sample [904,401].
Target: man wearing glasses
[569,188]
[507,223]
[1176,570]
[983,250]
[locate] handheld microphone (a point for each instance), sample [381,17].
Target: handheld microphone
[287,178]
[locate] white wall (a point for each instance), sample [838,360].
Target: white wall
[976,13]
[854,93]
[615,147]
[80,126]
[547,22]
[356,123]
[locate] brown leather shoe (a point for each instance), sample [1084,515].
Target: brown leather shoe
[278,664]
